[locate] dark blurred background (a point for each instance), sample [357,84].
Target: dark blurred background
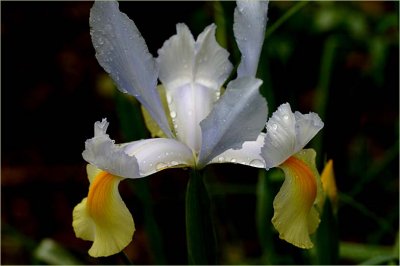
[340,59]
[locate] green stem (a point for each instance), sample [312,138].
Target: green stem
[264,213]
[201,242]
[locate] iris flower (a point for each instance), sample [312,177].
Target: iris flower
[198,124]
[205,126]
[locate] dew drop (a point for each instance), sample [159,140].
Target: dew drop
[173,114]
[169,99]
[233,161]
[257,163]
[161,166]
[221,159]
[274,126]
[286,117]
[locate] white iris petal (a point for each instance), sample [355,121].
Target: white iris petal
[250,20]
[123,53]
[103,153]
[237,117]
[192,73]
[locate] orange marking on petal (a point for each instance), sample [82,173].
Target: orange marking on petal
[99,193]
[304,177]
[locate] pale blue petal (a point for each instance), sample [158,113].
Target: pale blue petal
[237,117]
[122,52]
[105,155]
[250,20]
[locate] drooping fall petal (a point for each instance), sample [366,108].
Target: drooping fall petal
[295,216]
[287,134]
[103,217]
[104,154]
[158,154]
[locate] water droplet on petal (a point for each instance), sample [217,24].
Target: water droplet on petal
[233,161]
[173,114]
[286,117]
[161,166]
[274,126]
[169,99]
[108,27]
[221,159]
[257,163]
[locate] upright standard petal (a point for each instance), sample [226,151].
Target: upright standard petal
[192,73]
[158,154]
[237,117]
[103,217]
[250,20]
[103,153]
[122,52]
[287,134]
[295,216]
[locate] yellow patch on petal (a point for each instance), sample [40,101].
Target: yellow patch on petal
[329,184]
[103,217]
[295,215]
[152,125]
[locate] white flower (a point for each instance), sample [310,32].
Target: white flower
[206,128]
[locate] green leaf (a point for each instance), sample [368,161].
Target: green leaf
[327,240]
[200,234]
